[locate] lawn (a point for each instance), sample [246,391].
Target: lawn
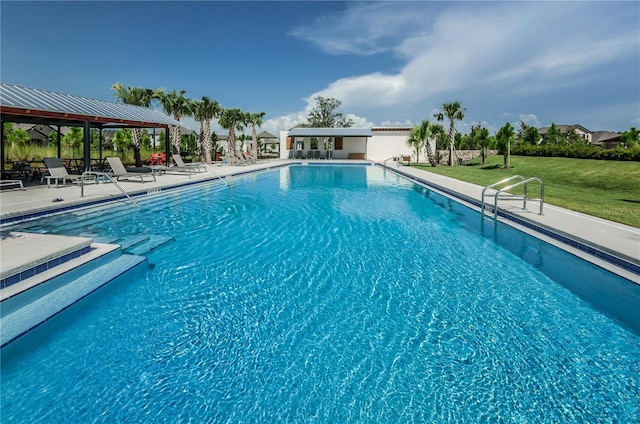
[606,189]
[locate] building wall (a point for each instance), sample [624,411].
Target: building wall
[383,144]
[388,142]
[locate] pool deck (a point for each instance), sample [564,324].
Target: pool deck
[618,240]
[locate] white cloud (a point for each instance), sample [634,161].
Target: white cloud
[485,53]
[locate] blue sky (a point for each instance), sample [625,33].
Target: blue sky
[390,63]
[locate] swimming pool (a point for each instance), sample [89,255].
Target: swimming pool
[330,294]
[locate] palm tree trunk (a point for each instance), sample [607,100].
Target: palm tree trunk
[206,141]
[135,142]
[175,135]
[232,143]
[430,156]
[254,147]
[452,139]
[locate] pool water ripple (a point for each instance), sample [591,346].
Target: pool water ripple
[317,295]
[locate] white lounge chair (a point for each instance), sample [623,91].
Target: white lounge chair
[120,172]
[197,166]
[59,173]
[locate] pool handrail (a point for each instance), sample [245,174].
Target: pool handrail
[523,182]
[106,175]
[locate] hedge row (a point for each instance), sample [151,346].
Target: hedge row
[580,152]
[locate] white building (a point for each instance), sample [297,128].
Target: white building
[377,143]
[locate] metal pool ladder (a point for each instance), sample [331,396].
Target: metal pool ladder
[502,193]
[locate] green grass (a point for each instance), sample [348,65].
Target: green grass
[606,189]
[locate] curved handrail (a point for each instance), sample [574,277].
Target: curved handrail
[388,159]
[497,184]
[524,199]
[104,175]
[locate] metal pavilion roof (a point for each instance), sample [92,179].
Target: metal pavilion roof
[330,132]
[32,104]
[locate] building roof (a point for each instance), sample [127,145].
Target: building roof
[564,128]
[25,104]
[603,136]
[329,132]
[266,134]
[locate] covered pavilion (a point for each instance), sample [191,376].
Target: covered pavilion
[19,104]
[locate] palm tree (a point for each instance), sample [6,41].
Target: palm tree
[255,119]
[415,141]
[204,111]
[176,105]
[433,132]
[139,97]
[455,112]
[232,119]
[505,135]
[422,135]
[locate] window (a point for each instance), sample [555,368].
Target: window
[338,143]
[314,143]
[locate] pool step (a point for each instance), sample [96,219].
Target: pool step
[29,308]
[151,243]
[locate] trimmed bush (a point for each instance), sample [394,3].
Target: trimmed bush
[578,152]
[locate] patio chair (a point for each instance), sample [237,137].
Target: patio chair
[309,154]
[58,172]
[290,154]
[119,171]
[316,154]
[195,166]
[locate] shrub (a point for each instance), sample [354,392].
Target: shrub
[578,152]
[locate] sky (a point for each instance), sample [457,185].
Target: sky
[389,63]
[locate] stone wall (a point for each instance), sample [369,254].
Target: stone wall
[461,155]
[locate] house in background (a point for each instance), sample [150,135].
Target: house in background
[377,143]
[579,129]
[606,139]
[270,144]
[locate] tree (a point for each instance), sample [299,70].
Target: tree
[454,112]
[139,97]
[232,120]
[423,135]
[505,136]
[122,140]
[415,141]
[177,105]
[255,120]
[327,114]
[74,139]
[631,138]
[531,136]
[554,136]
[436,132]
[571,136]
[481,136]
[204,111]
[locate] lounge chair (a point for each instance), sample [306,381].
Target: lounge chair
[316,154]
[290,154]
[309,154]
[196,166]
[120,172]
[59,173]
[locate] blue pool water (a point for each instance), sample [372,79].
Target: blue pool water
[330,294]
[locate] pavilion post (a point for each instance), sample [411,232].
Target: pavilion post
[87,146]
[2,145]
